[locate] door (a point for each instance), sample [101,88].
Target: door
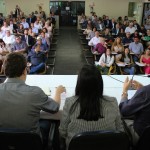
[67,11]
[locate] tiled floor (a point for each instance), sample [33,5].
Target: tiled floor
[69,54]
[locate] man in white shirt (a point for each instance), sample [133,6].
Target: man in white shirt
[37,25]
[5,27]
[130,28]
[8,38]
[95,40]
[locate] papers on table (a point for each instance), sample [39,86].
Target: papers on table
[122,64]
[113,53]
[140,64]
[46,90]
[131,93]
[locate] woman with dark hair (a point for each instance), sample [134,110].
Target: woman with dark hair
[89,109]
[4,50]
[126,62]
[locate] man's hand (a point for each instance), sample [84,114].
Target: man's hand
[126,84]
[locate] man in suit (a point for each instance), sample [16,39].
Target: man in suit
[17,11]
[28,39]
[138,107]
[13,26]
[107,23]
[20,104]
[30,19]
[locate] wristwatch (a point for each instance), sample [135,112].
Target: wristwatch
[124,94]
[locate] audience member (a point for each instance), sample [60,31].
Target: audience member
[127,39]
[36,60]
[89,109]
[145,59]
[20,30]
[117,47]
[20,46]
[130,28]
[6,27]
[28,39]
[8,38]
[17,11]
[24,23]
[137,48]
[92,33]
[106,61]
[95,40]
[100,47]
[126,59]
[4,50]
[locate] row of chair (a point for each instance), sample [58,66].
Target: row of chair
[50,64]
[96,140]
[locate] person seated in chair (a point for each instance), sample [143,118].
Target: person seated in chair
[36,60]
[100,47]
[20,104]
[137,107]
[126,59]
[89,109]
[20,46]
[106,61]
[145,59]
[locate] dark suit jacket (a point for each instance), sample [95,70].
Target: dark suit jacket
[32,20]
[31,41]
[108,24]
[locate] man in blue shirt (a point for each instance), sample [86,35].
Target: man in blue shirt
[36,59]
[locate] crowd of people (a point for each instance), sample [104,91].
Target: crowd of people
[118,35]
[89,109]
[21,34]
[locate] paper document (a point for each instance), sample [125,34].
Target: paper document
[140,64]
[131,93]
[46,90]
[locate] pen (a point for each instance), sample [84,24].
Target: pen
[132,80]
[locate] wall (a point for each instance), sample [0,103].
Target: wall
[2,7]
[112,8]
[27,6]
[108,7]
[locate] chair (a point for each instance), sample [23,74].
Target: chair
[100,140]
[11,139]
[144,141]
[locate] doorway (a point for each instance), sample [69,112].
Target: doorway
[67,11]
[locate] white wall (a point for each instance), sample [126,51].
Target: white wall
[112,8]
[27,6]
[2,7]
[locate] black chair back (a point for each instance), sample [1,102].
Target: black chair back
[19,140]
[144,141]
[100,140]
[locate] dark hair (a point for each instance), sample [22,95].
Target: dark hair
[124,56]
[89,89]
[14,65]
[1,41]
[45,29]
